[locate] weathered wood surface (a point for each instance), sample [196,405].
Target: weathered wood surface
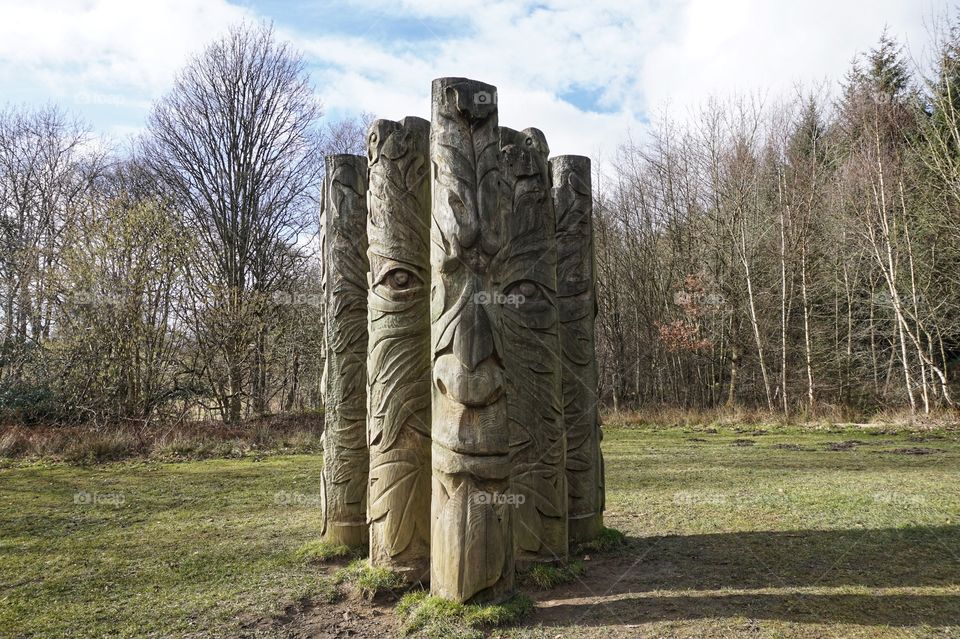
[577,302]
[398,357]
[527,273]
[345,457]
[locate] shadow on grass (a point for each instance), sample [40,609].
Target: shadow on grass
[880,610]
[927,556]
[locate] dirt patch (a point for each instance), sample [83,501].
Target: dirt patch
[696,439]
[916,450]
[742,442]
[850,444]
[353,618]
[791,447]
[925,437]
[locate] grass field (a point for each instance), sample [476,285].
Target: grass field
[776,533]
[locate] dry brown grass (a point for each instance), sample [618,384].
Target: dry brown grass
[189,440]
[823,416]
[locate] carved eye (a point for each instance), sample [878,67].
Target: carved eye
[400,279]
[521,293]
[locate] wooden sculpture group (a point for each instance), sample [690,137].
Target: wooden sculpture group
[462,432]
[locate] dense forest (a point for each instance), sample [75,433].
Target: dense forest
[792,256]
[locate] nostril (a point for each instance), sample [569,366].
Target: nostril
[441,387]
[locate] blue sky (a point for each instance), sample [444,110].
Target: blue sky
[589,73]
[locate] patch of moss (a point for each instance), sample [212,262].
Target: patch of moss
[437,618]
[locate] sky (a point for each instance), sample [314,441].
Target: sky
[589,73]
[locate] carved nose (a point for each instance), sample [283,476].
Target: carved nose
[473,340]
[470,374]
[476,388]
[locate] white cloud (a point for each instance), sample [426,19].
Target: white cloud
[106,47]
[759,46]
[638,58]
[634,57]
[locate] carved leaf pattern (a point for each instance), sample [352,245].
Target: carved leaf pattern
[399,481]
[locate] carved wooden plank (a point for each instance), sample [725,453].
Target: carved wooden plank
[398,357]
[345,458]
[527,273]
[471,526]
[573,202]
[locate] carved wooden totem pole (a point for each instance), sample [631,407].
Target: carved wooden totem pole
[345,460]
[398,363]
[526,270]
[576,298]
[471,525]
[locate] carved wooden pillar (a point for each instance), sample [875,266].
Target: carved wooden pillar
[345,459]
[398,358]
[471,531]
[576,298]
[527,273]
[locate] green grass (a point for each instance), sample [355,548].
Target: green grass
[422,615]
[321,551]
[547,576]
[369,581]
[834,532]
[133,549]
[608,540]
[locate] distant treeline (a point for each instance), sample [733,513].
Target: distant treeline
[795,256]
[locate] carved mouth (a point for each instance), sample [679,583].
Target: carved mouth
[472,430]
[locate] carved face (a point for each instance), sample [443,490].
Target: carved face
[398,366]
[469,403]
[527,268]
[471,541]
[397,229]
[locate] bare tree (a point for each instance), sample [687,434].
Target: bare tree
[235,144]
